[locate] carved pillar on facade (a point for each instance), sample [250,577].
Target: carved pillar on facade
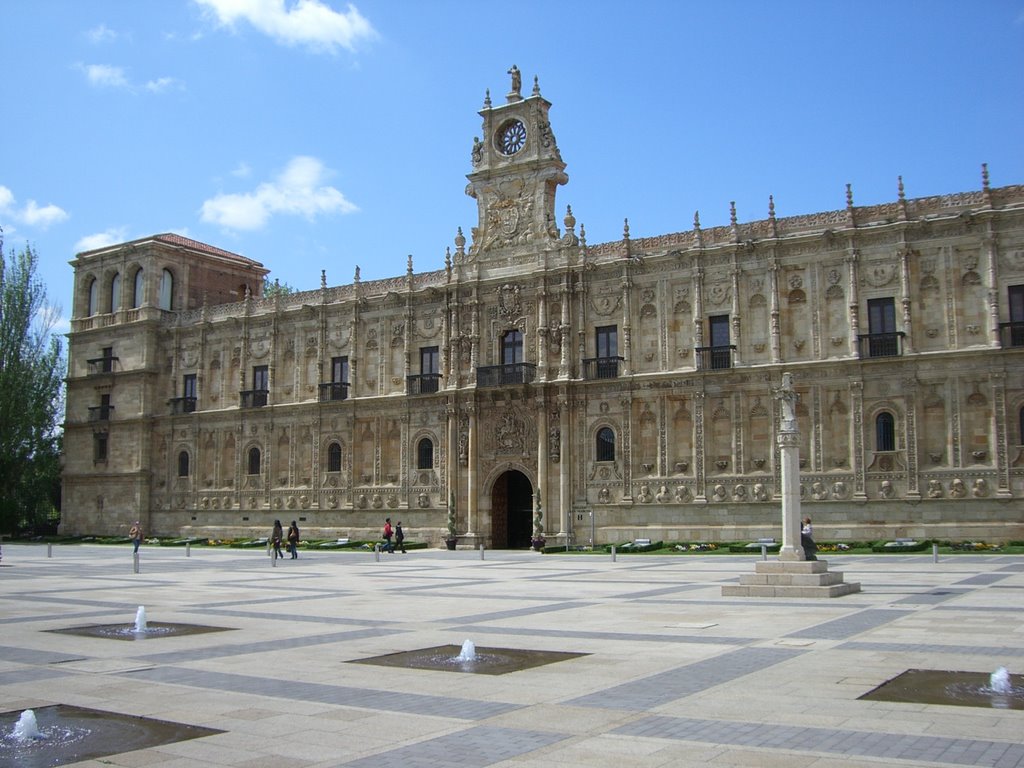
[543,457]
[698,308]
[626,408]
[542,335]
[472,478]
[565,331]
[1000,420]
[734,314]
[451,479]
[853,308]
[857,440]
[627,313]
[910,403]
[774,328]
[908,327]
[568,456]
[699,474]
[989,248]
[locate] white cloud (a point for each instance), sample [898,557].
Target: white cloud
[242,171]
[32,214]
[101,239]
[42,216]
[104,75]
[305,22]
[297,191]
[101,34]
[162,84]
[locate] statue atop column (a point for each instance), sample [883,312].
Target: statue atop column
[788,398]
[517,84]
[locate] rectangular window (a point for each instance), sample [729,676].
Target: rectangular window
[260,378]
[883,340]
[107,364]
[606,341]
[718,331]
[99,446]
[1016,297]
[339,370]
[429,360]
[188,393]
[881,316]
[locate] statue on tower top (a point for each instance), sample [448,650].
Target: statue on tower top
[517,83]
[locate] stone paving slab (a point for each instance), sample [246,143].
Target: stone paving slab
[677,675]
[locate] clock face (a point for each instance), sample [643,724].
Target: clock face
[511,137]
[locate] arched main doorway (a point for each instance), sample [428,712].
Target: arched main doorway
[511,511]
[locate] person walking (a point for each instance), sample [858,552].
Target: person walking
[136,536]
[388,533]
[275,540]
[400,536]
[807,540]
[293,540]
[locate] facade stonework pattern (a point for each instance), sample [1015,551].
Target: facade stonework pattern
[619,390]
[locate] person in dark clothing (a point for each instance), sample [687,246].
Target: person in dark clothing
[276,537]
[807,540]
[293,540]
[400,536]
[388,533]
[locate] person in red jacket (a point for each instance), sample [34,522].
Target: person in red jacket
[388,546]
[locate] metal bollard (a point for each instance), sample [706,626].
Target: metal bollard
[49,550]
[376,552]
[935,552]
[135,560]
[188,549]
[613,553]
[481,551]
[764,551]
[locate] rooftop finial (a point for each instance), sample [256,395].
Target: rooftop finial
[408,265]
[487,99]
[323,278]
[899,188]
[536,86]
[984,176]
[625,229]
[447,258]
[732,213]
[849,196]
[771,207]
[460,242]
[583,236]
[569,220]
[355,279]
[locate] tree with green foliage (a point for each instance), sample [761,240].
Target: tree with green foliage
[271,289]
[31,397]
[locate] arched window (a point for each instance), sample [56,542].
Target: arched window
[115,292]
[166,289]
[425,454]
[94,288]
[885,432]
[137,290]
[183,464]
[334,457]
[605,449]
[254,461]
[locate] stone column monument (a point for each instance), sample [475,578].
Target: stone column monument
[790,575]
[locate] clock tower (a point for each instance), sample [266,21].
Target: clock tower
[516,169]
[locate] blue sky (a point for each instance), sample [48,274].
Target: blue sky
[324,135]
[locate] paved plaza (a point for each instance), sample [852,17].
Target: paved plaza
[674,674]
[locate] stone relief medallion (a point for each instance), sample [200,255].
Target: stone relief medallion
[258,348]
[606,304]
[719,293]
[879,274]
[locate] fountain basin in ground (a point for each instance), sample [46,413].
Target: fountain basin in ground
[73,734]
[961,689]
[487,661]
[153,629]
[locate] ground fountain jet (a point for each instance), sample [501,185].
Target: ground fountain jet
[468,652]
[999,682]
[140,619]
[27,729]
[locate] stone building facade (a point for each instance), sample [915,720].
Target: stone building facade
[538,384]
